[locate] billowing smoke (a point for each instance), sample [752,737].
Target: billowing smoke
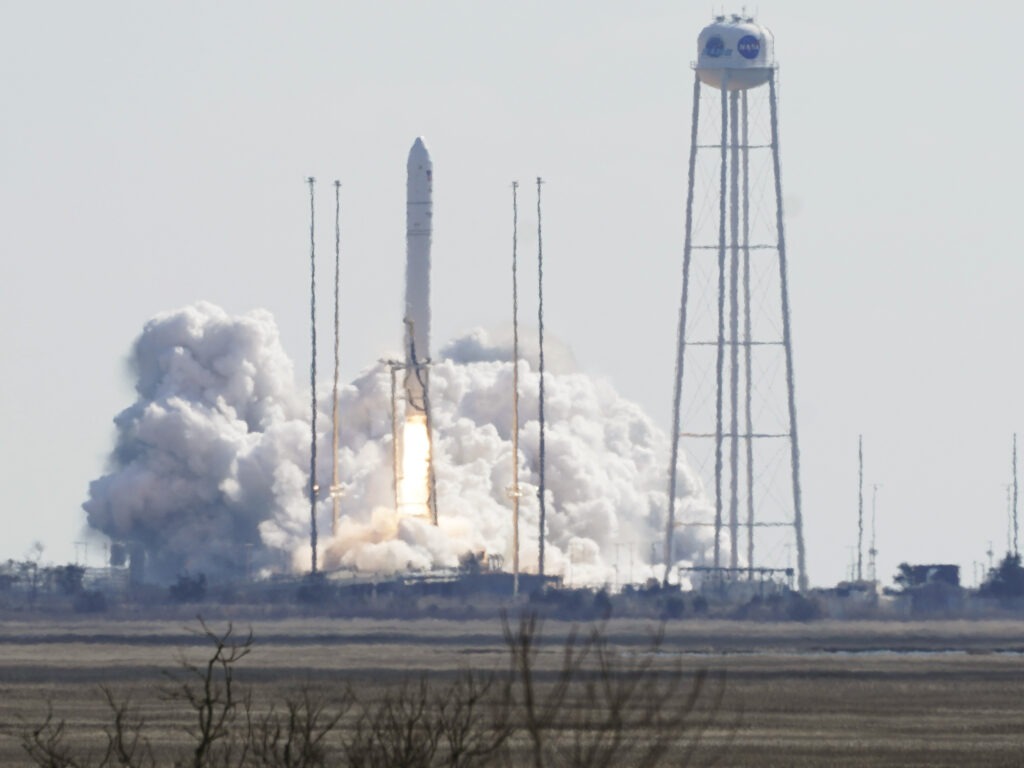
[213,447]
[210,469]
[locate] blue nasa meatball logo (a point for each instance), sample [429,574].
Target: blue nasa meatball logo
[714,47]
[749,47]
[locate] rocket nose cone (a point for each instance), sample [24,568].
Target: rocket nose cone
[419,154]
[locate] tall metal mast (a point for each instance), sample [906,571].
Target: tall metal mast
[336,491]
[873,552]
[313,487]
[1016,549]
[860,507]
[514,493]
[540,337]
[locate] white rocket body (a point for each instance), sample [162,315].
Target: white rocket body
[418,219]
[414,478]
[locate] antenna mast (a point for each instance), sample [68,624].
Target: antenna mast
[335,485]
[540,331]
[514,490]
[860,508]
[313,487]
[1016,550]
[873,552]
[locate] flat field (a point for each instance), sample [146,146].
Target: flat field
[815,694]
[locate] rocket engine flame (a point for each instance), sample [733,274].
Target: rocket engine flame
[414,480]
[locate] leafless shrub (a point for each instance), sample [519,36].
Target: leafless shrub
[126,744]
[46,743]
[210,693]
[604,709]
[596,708]
[399,731]
[424,725]
[295,736]
[474,715]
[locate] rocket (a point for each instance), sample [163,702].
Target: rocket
[414,474]
[418,219]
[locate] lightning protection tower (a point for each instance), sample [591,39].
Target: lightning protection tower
[734,405]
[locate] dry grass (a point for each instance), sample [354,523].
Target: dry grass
[790,699]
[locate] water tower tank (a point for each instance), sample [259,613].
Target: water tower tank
[735,53]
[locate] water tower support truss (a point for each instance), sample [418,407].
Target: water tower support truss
[734,409]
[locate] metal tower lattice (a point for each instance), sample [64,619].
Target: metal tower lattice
[734,411]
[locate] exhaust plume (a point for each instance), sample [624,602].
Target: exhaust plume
[211,465]
[213,447]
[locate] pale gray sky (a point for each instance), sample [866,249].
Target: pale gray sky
[153,154]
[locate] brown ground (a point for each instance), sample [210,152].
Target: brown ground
[820,694]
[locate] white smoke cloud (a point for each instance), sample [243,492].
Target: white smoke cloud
[213,446]
[605,473]
[211,464]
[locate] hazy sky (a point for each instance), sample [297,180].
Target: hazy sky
[154,154]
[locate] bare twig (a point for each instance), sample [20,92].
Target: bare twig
[297,736]
[594,706]
[209,691]
[45,744]
[126,744]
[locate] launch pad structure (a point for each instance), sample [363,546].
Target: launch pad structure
[743,439]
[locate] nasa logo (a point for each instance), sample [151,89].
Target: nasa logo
[714,47]
[749,47]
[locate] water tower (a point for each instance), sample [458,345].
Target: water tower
[734,410]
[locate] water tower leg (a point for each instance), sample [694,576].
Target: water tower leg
[734,313]
[720,361]
[746,339]
[798,524]
[681,335]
